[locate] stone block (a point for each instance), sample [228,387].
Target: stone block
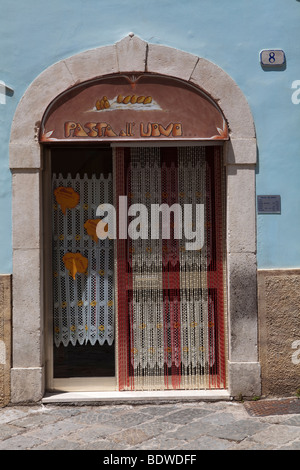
[25,156]
[27,312]
[242,305]
[131,54]
[220,86]
[240,152]
[171,62]
[241,209]
[26,210]
[47,86]
[244,379]
[5,338]
[27,385]
[93,63]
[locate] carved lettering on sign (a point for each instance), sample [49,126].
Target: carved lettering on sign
[104,129]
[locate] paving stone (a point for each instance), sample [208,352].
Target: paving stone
[161,444]
[292,446]
[157,410]
[58,444]
[186,415]
[236,431]
[130,436]
[218,418]
[20,442]
[154,428]
[92,417]
[92,433]
[249,444]
[206,443]
[8,430]
[278,435]
[188,431]
[35,420]
[62,412]
[293,421]
[272,419]
[128,419]
[11,414]
[54,430]
[105,444]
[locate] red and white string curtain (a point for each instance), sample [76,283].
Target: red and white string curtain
[170,307]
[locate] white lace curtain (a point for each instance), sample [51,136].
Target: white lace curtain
[84,306]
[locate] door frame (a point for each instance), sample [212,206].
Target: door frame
[131,55]
[90,384]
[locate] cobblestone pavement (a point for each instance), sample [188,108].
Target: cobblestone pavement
[184,426]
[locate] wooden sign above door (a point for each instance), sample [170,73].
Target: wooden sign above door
[133,108]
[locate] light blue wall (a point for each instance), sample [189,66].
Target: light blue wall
[37,33]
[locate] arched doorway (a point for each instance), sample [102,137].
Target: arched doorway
[134,56]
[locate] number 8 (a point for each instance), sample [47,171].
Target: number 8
[272,57]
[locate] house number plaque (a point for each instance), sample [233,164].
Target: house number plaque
[272,58]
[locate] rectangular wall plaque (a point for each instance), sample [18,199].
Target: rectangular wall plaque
[269,204]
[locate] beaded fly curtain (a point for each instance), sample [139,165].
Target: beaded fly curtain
[170,299]
[83,264]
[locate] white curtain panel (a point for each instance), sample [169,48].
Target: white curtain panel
[84,307]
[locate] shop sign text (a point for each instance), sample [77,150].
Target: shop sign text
[104,129]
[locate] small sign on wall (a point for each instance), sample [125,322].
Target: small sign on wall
[272,58]
[269,204]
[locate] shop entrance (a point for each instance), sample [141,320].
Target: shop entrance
[144,308]
[65,112]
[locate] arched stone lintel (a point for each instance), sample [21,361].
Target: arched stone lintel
[131,54]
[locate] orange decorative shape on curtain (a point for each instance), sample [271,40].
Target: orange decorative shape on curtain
[91,228]
[75,263]
[66,197]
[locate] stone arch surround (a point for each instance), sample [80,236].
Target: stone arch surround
[133,55]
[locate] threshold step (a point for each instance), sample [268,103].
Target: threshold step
[128,396]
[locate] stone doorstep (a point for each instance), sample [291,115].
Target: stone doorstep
[119,397]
